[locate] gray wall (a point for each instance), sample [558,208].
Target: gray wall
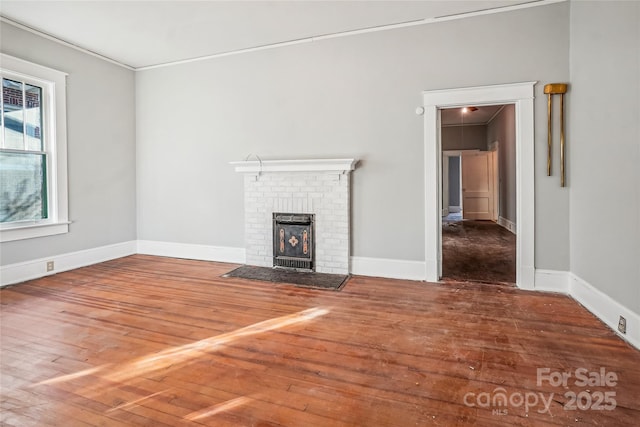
[603,104]
[468,137]
[344,97]
[503,129]
[101,148]
[354,96]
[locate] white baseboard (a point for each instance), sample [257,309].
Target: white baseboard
[552,281]
[526,277]
[389,268]
[508,224]
[601,305]
[28,270]
[605,308]
[191,251]
[598,303]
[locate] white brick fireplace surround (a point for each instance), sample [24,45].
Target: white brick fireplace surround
[319,187]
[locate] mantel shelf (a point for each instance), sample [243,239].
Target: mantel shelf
[341,166]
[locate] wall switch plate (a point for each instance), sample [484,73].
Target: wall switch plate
[50,266]
[622,325]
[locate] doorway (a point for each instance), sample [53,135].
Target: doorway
[477,190]
[521,96]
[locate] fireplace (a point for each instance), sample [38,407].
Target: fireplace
[320,188]
[293,241]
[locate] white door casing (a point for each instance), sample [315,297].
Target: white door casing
[445,186]
[519,94]
[477,185]
[495,181]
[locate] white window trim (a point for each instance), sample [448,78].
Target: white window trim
[55,126]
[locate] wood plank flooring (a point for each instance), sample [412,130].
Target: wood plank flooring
[478,251]
[154,341]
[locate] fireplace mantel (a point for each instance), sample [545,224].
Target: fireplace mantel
[320,187]
[255,167]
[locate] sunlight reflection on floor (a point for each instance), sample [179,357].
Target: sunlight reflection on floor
[176,357]
[221,407]
[137,401]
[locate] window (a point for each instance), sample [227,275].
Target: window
[33,151]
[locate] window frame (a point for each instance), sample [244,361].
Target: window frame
[54,124]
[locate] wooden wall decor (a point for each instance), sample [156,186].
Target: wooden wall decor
[556,89]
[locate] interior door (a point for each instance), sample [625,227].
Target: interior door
[477,185]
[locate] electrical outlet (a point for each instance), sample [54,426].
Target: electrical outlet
[50,266]
[622,325]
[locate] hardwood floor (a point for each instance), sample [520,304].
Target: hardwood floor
[480,251]
[166,342]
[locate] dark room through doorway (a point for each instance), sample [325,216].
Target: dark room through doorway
[478,194]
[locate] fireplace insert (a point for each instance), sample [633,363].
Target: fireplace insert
[293,241]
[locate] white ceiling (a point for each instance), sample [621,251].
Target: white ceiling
[481,116]
[146,33]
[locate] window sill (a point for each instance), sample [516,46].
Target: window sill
[31,231]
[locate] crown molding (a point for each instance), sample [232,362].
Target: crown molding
[426,21]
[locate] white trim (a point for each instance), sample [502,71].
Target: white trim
[433,183]
[38,229]
[453,153]
[494,149]
[18,65]
[28,270]
[594,300]
[444,205]
[223,54]
[191,251]
[54,94]
[425,21]
[62,42]
[508,224]
[552,281]
[605,308]
[306,165]
[519,94]
[597,302]
[389,268]
[375,29]
[446,210]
